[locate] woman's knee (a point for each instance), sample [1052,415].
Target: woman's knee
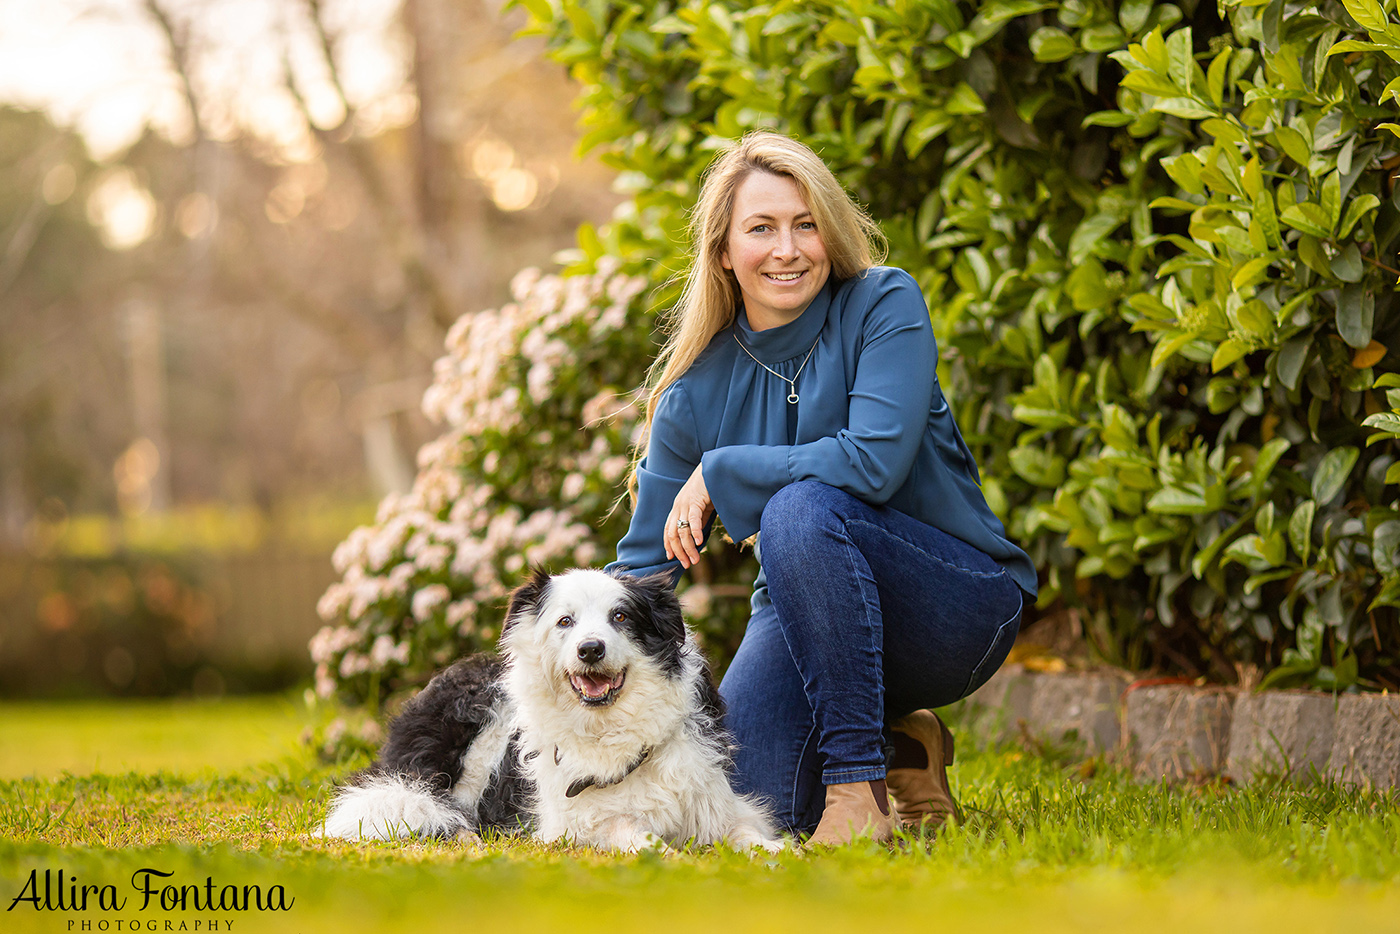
[799,520]
[802,507]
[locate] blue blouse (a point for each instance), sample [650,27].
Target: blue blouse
[869,385]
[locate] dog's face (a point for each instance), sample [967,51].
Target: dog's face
[589,632]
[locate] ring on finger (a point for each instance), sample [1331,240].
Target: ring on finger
[682,523]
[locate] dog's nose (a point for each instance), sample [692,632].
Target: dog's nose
[592,651]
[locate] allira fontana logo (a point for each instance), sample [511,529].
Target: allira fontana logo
[148,891]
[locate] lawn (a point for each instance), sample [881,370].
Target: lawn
[222,791]
[44,740]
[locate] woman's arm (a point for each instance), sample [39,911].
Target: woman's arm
[889,410]
[673,452]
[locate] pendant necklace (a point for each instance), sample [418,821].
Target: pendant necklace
[792,383]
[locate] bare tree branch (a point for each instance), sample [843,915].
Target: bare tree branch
[22,241]
[27,231]
[354,336]
[313,11]
[179,42]
[428,190]
[407,238]
[361,159]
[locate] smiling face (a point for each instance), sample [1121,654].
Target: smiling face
[774,249]
[594,636]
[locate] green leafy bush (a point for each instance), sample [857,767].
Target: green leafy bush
[1268,315]
[1155,239]
[1158,245]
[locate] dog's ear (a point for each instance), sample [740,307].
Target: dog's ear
[525,600]
[659,592]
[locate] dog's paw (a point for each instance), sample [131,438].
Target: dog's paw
[755,845]
[644,843]
[754,836]
[651,842]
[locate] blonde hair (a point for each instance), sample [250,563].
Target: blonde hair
[710,295]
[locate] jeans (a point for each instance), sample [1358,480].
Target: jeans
[873,615]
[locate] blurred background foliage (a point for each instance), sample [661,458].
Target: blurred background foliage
[217,325]
[1158,242]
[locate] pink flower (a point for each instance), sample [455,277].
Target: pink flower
[524,283]
[428,599]
[572,486]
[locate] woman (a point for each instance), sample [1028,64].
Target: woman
[797,399]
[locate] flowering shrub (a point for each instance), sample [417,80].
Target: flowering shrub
[540,412]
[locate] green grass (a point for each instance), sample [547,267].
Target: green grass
[1048,844]
[44,740]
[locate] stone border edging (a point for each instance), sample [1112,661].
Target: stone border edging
[1176,731]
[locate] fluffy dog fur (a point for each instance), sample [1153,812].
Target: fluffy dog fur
[601,727]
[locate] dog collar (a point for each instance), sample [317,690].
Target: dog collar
[585,783]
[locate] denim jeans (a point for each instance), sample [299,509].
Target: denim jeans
[873,615]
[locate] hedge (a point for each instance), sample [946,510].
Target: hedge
[1158,243]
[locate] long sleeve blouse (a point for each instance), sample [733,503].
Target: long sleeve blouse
[871,420]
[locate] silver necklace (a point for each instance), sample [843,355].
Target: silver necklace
[792,383]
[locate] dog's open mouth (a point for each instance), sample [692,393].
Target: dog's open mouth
[596,690]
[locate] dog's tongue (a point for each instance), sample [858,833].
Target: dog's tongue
[592,686]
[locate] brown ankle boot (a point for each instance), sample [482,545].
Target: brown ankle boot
[922,796]
[858,810]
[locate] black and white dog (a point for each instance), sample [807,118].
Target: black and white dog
[600,726]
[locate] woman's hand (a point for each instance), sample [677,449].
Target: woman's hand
[693,505]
